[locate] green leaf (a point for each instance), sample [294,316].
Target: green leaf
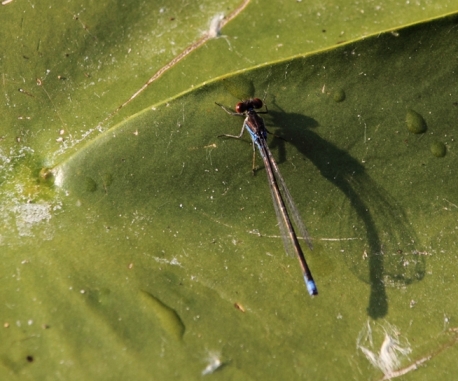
[140,246]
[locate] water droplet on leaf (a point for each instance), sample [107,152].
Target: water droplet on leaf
[438,149]
[339,95]
[415,122]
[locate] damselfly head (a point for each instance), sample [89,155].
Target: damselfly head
[250,104]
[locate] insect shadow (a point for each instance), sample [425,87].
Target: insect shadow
[385,253]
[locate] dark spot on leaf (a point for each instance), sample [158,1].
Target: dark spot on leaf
[91,185]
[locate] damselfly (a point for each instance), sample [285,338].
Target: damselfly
[254,124]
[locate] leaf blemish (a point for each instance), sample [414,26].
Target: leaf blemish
[169,319]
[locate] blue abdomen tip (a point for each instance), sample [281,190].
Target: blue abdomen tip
[311,287]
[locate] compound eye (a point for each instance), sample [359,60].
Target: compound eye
[240,108]
[256,102]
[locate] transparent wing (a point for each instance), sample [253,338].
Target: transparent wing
[293,211]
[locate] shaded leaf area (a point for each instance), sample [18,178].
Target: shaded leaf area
[155,237]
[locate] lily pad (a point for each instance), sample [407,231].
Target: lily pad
[149,248]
